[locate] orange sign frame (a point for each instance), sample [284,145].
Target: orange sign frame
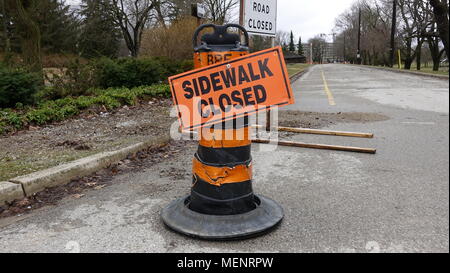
[232,89]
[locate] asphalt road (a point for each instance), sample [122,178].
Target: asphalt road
[394,201]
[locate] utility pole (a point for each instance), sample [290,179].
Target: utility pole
[241,13]
[358,54]
[394,22]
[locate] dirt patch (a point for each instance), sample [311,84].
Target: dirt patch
[78,187]
[174,173]
[315,120]
[75,144]
[90,133]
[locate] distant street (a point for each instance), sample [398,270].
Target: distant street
[394,201]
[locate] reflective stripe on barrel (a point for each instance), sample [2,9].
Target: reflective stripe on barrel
[222,175]
[228,138]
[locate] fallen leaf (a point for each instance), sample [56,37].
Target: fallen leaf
[99,187]
[24,203]
[77,196]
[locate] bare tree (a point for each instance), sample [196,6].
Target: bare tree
[433,44]
[422,16]
[220,9]
[375,29]
[282,38]
[441,14]
[131,16]
[318,48]
[409,31]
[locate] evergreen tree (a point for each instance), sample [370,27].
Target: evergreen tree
[58,25]
[5,42]
[285,47]
[100,36]
[30,38]
[259,43]
[291,43]
[300,47]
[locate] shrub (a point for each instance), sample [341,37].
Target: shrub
[76,79]
[173,41]
[129,72]
[17,86]
[60,109]
[79,78]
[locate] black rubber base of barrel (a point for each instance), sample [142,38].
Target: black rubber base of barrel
[267,215]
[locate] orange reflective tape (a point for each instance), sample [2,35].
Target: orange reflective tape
[202,59]
[229,138]
[222,175]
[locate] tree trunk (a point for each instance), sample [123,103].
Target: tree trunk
[440,11]
[7,49]
[135,51]
[31,43]
[419,53]
[409,56]
[433,44]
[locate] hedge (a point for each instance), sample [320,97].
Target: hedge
[131,72]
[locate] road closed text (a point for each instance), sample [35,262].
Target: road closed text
[260,17]
[231,89]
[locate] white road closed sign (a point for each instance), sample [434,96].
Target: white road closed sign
[260,17]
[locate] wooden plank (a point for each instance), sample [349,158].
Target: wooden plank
[304,145]
[319,132]
[317,146]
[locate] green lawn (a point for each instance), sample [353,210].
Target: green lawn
[442,70]
[295,68]
[428,70]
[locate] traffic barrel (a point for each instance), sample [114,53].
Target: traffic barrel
[222,205]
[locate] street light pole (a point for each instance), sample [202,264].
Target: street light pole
[358,54]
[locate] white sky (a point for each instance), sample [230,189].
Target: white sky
[310,17]
[304,17]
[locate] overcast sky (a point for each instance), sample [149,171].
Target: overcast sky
[310,17]
[305,17]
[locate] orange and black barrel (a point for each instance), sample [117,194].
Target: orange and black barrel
[222,205]
[222,166]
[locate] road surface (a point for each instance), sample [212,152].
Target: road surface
[394,201]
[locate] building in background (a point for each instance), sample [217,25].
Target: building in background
[328,53]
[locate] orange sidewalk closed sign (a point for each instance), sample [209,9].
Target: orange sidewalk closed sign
[232,89]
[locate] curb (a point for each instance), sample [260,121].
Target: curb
[10,192]
[22,186]
[442,77]
[298,75]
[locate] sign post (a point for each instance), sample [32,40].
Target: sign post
[259,17]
